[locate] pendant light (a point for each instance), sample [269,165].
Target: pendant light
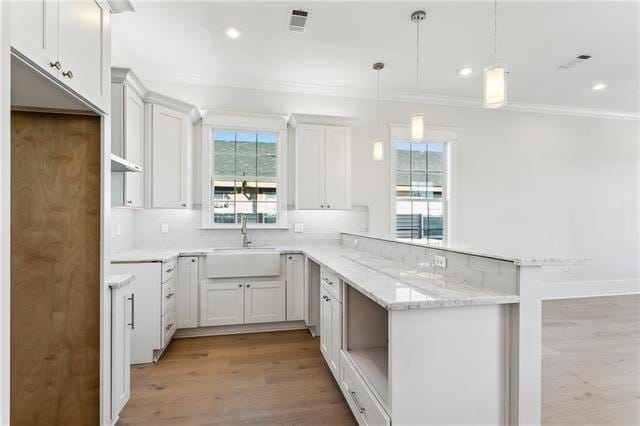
[417,119]
[495,76]
[378,144]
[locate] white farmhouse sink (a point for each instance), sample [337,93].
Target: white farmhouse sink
[243,262]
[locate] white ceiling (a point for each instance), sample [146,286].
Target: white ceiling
[185,42]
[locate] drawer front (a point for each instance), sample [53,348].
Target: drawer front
[332,283]
[364,405]
[168,294]
[169,323]
[168,269]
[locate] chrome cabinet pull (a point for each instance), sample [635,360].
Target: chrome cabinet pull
[67,74]
[184,204]
[355,399]
[248,285]
[328,206]
[169,295]
[57,65]
[169,270]
[129,202]
[239,285]
[168,327]
[133,311]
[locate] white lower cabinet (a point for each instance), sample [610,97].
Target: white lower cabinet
[221,304]
[264,301]
[330,329]
[187,292]
[295,287]
[361,400]
[122,322]
[232,303]
[155,307]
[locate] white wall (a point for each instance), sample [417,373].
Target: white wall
[531,182]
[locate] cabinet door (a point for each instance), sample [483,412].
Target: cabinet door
[310,169]
[121,323]
[187,292]
[325,325]
[169,151]
[221,304]
[133,146]
[295,287]
[338,167]
[34,31]
[264,301]
[83,49]
[336,335]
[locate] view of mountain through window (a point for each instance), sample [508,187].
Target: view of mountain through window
[244,182]
[420,185]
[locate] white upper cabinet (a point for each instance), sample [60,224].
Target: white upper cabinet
[34,32]
[68,39]
[170,146]
[323,163]
[338,167]
[127,136]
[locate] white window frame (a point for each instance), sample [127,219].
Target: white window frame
[433,134]
[265,123]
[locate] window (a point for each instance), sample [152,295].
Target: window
[420,176]
[244,177]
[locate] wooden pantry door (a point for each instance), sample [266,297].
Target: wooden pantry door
[55,269]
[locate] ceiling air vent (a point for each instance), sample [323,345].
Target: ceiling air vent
[298,20]
[573,62]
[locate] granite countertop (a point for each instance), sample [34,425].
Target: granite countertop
[519,259]
[117,281]
[391,284]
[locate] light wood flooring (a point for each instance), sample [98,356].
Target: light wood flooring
[591,351]
[591,361]
[262,378]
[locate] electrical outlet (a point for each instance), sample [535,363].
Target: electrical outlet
[298,227]
[440,261]
[356,242]
[118,229]
[164,228]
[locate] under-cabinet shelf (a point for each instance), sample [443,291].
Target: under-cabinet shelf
[119,164]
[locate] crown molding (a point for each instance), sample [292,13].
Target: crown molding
[387,95]
[156,98]
[325,120]
[120,75]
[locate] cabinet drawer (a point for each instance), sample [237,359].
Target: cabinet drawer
[364,405]
[168,295]
[332,283]
[169,323]
[168,269]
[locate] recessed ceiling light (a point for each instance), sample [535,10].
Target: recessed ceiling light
[599,86]
[465,72]
[232,33]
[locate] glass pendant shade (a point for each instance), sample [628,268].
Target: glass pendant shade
[378,150]
[495,86]
[417,126]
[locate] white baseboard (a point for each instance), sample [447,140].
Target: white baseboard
[576,289]
[239,329]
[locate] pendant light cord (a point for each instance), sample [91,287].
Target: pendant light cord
[418,60]
[378,106]
[495,31]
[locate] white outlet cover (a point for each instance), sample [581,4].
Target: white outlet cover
[118,229]
[298,227]
[356,242]
[440,261]
[164,228]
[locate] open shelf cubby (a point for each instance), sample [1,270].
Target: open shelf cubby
[367,342]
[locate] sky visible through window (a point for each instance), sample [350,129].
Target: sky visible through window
[419,190]
[244,182]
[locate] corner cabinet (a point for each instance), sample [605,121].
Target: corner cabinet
[170,140]
[322,165]
[70,40]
